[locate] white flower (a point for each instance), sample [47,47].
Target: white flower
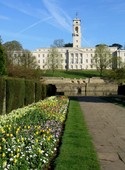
[9,149]
[11,159]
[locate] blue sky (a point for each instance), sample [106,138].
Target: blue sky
[37,23]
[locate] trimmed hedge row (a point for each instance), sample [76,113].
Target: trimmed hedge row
[16,93]
[2,91]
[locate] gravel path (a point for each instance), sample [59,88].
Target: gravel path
[106,123]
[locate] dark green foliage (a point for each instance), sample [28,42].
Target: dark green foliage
[44,91]
[30,92]
[2,90]
[15,93]
[2,61]
[38,91]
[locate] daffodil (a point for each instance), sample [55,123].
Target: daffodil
[3,155]
[4,164]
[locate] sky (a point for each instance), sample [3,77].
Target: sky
[37,23]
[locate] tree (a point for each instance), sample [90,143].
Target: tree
[2,60]
[27,60]
[119,46]
[54,60]
[58,43]
[117,75]
[102,58]
[68,45]
[10,48]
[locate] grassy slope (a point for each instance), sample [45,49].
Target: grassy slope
[72,74]
[77,151]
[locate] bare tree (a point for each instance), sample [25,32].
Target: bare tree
[102,58]
[58,43]
[27,60]
[54,60]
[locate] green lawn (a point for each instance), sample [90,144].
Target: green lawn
[77,151]
[71,73]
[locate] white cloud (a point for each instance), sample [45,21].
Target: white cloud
[59,15]
[25,8]
[34,24]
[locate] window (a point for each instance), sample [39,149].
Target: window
[76,29]
[86,60]
[38,55]
[72,59]
[38,61]
[76,58]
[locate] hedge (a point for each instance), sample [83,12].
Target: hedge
[20,92]
[2,92]
[38,91]
[15,93]
[30,92]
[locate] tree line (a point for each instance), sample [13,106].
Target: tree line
[15,61]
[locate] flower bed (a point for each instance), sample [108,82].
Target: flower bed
[29,136]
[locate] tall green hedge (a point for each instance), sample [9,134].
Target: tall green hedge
[38,91]
[20,92]
[30,92]
[15,94]
[2,91]
[44,91]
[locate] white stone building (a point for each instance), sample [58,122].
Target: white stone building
[75,57]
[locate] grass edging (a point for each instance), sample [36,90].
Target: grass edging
[77,151]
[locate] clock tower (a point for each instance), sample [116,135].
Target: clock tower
[76,33]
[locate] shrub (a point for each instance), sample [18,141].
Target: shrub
[2,90]
[38,91]
[30,92]
[15,93]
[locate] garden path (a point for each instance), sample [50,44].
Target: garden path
[106,123]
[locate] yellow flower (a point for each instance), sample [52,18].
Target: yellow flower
[3,155]
[11,135]
[3,139]
[2,130]
[40,151]
[15,160]
[48,138]
[11,154]
[7,134]
[18,140]
[28,127]
[22,139]
[4,164]
[36,140]
[18,155]
[0,147]
[18,150]
[37,133]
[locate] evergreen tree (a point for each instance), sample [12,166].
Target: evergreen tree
[2,60]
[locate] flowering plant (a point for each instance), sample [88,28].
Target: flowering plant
[29,136]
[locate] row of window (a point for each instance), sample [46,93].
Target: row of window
[81,67]
[72,55]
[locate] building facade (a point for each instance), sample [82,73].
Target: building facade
[75,57]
